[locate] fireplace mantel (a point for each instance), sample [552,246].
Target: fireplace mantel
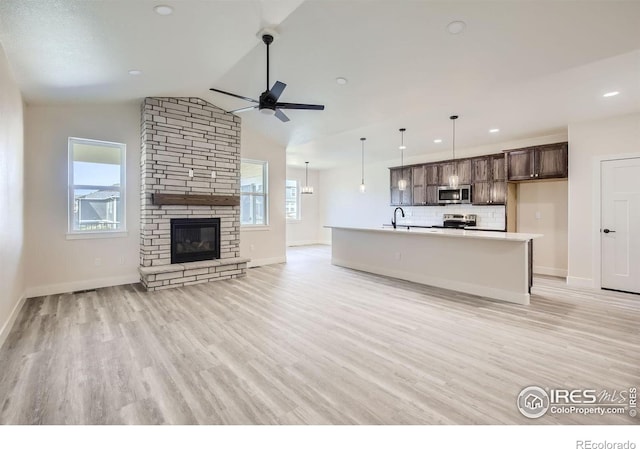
[160,199]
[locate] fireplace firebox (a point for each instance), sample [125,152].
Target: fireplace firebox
[194,239]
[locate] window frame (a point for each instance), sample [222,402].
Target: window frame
[93,233]
[264,194]
[298,216]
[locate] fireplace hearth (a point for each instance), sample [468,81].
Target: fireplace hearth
[195,239]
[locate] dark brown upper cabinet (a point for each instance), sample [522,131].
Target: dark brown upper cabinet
[539,162]
[432,177]
[445,170]
[462,167]
[464,171]
[400,197]
[489,184]
[418,185]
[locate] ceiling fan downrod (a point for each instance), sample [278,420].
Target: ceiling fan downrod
[267,39]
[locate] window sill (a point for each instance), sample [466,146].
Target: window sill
[96,235]
[255,228]
[293,221]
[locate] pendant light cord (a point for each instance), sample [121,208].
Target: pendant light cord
[362,140]
[306,174]
[455,166]
[454,140]
[402,130]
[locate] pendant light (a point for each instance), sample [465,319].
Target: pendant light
[402,184]
[362,186]
[453,179]
[306,189]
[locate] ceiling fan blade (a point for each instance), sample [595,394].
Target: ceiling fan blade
[242,109]
[234,95]
[277,89]
[314,107]
[281,116]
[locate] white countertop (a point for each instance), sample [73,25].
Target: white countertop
[437,232]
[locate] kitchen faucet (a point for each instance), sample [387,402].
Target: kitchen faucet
[393,222]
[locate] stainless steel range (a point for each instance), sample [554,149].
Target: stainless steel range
[458,221]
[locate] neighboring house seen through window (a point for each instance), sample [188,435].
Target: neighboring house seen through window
[96,186]
[292,200]
[253,193]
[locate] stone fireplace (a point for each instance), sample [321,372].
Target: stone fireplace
[190,187]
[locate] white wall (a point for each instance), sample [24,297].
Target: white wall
[304,231]
[341,203]
[11,199]
[56,264]
[543,209]
[590,142]
[266,245]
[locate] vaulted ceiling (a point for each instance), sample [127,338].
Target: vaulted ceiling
[527,68]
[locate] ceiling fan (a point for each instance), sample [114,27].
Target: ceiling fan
[268,102]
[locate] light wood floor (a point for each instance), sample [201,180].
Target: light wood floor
[307,342]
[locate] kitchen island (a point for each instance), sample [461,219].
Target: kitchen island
[494,265]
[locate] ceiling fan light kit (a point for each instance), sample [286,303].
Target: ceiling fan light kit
[268,101]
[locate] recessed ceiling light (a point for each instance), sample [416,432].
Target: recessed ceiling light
[163,10]
[611,94]
[437,141]
[342,81]
[135,72]
[494,130]
[456,27]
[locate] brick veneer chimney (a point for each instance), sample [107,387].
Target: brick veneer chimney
[178,135]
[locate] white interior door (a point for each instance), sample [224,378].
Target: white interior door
[620,224]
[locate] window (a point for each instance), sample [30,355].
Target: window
[96,186]
[253,193]
[292,200]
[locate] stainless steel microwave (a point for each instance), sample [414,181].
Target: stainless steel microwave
[454,195]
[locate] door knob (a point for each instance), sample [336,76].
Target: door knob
[606,231]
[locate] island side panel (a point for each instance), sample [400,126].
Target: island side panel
[495,269]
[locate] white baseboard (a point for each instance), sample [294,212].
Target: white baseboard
[67,287]
[266,261]
[550,271]
[325,242]
[574,281]
[304,243]
[473,289]
[6,327]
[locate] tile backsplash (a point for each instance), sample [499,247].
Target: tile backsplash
[488,216]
